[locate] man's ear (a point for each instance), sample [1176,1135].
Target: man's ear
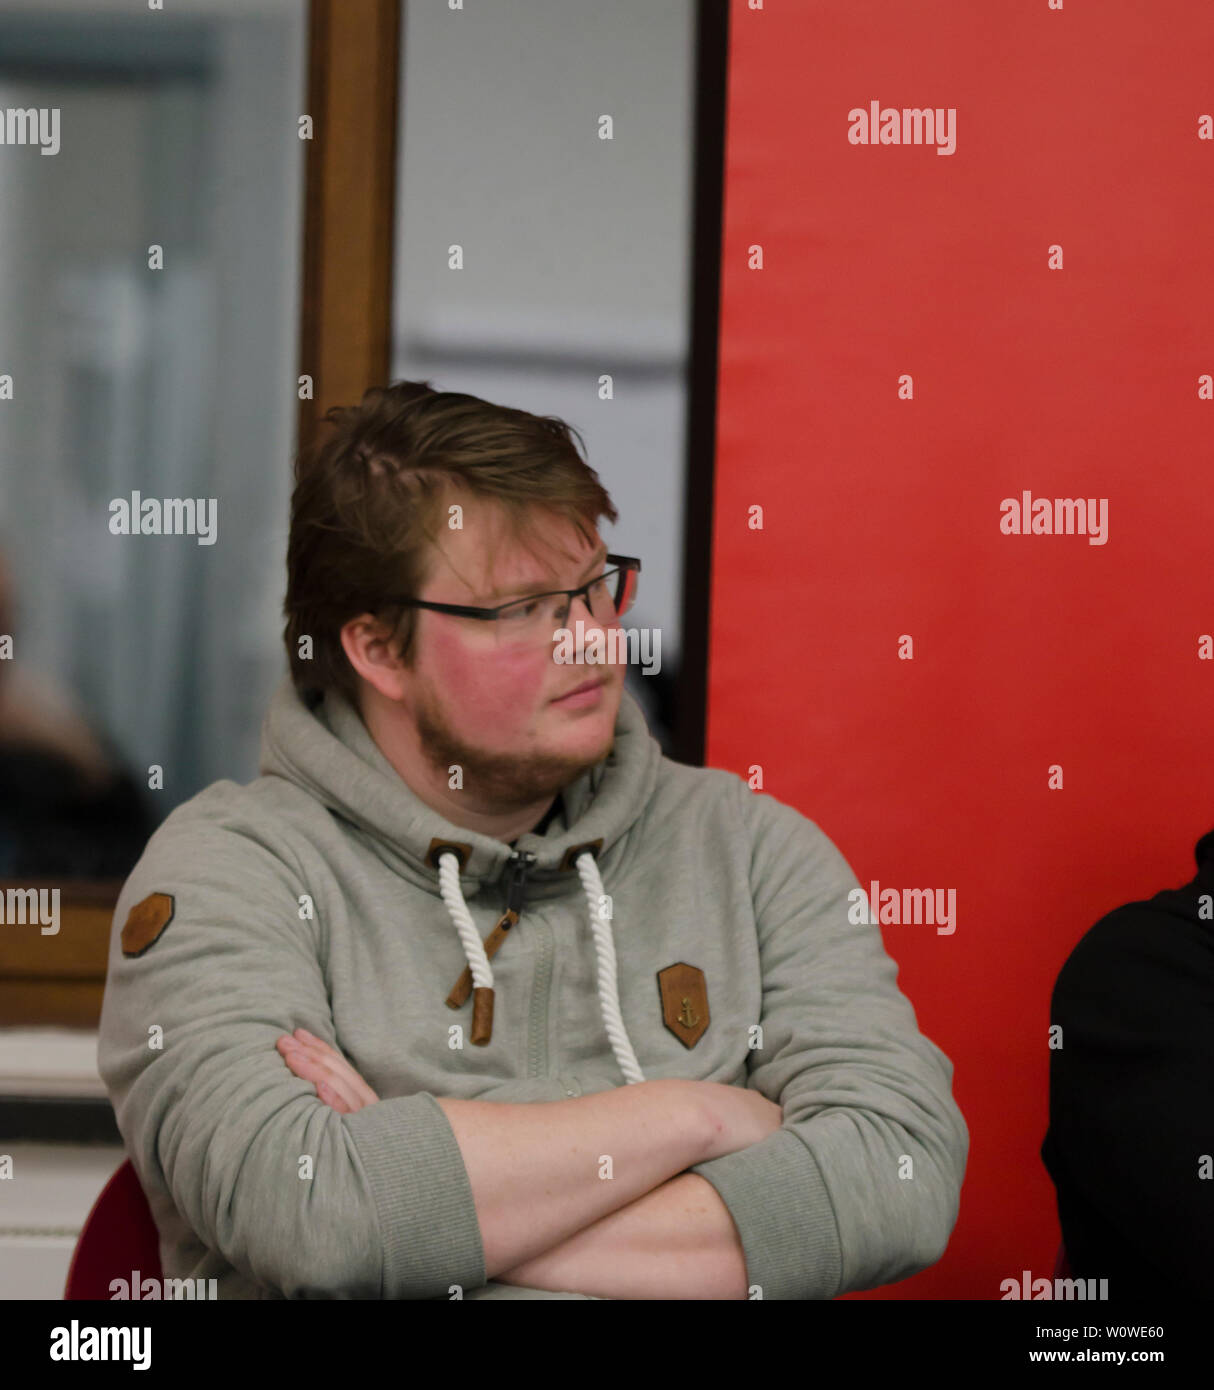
[375,655]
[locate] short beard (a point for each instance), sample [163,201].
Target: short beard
[502,780]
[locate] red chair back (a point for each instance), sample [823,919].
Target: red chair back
[119,1239]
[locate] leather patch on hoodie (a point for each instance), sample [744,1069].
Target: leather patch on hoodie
[145,922]
[684,994]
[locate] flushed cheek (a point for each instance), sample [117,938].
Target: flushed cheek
[489,690]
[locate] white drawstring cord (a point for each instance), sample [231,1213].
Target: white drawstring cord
[609,989]
[604,945]
[474,950]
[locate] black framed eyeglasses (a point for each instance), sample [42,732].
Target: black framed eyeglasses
[608,596]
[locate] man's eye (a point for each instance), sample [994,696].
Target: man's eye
[520,611]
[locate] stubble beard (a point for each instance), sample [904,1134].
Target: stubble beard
[503,780]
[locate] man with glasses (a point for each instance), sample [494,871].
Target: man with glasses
[474,993]
[527,726]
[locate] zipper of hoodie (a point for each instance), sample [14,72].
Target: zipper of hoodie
[537,1053]
[537,1049]
[520,861]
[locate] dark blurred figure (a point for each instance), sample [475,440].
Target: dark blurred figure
[1130,1142]
[67,809]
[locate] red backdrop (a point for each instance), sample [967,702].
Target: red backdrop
[1077,128]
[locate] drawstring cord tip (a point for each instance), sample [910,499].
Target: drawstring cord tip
[482,1016]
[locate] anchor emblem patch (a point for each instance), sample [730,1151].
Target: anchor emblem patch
[684,994]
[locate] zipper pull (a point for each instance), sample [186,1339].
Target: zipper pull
[516,887]
[520,861]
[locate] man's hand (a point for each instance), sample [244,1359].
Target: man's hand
[337,1083]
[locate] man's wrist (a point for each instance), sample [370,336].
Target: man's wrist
[698,1122]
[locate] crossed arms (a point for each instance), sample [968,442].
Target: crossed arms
[651,1230]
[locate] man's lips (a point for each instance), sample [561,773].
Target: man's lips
[585,685]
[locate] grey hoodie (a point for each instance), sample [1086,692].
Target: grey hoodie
[325,895]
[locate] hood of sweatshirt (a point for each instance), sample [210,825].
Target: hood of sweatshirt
[320,744]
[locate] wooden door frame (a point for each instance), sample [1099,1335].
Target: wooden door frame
[345,342]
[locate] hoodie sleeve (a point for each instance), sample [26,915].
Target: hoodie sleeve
[294,1195]
[861,1184]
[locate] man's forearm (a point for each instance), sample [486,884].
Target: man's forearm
[538,1170]
[676,1242]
